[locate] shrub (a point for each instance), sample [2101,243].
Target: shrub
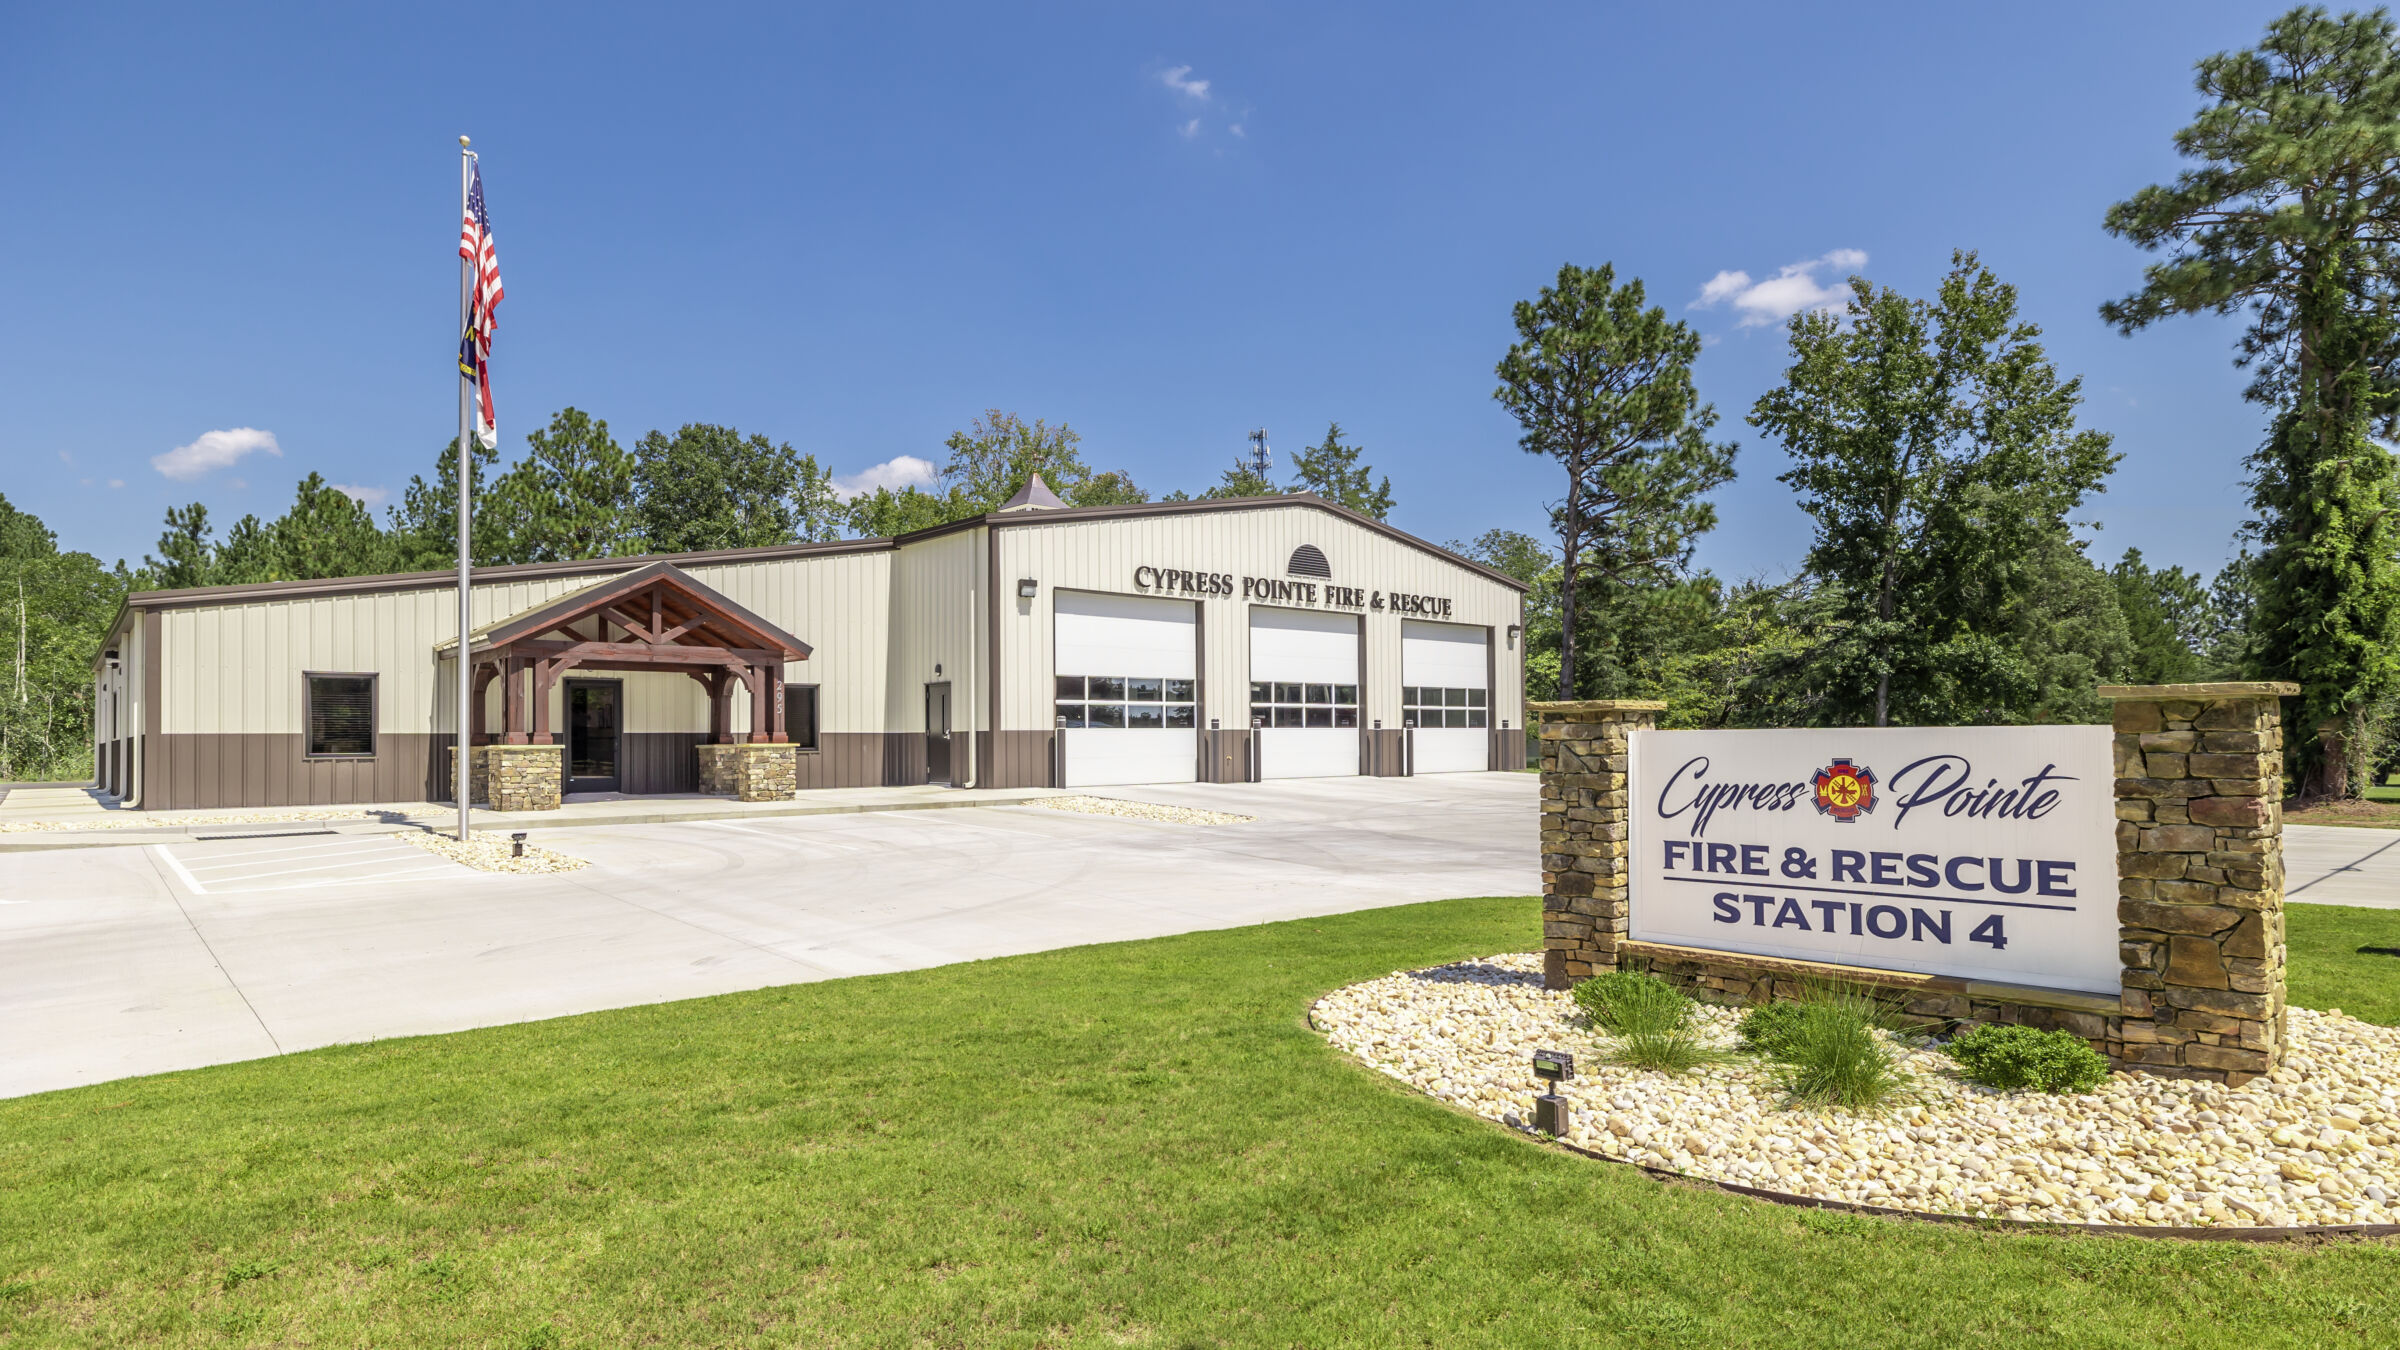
[1768,1027]
[1832,1057]
[1651,1019]
[2021,1057]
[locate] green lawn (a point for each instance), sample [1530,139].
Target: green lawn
[1139,1144]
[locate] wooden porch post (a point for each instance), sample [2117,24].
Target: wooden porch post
[512,703]
[545,673]
[477,721]
[760,719]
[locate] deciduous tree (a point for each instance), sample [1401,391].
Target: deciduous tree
[1936,447]
[710,487]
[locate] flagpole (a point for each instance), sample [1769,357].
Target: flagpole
[466,457]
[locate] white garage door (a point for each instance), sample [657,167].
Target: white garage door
[1444,694]
[1304,687]
[1128,688]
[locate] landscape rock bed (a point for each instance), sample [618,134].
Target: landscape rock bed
[488,851]
[1112,806]
[2316,1143]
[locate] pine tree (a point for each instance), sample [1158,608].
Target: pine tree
[1604,386]
[2292,215]
[1332,471]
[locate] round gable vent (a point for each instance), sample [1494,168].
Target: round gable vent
[1308,562]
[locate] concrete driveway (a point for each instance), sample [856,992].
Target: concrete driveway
[2340,865]
[138,959]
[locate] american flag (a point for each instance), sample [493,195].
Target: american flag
[475,345]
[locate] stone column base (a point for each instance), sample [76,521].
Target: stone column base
[529,776]
[479,778]
[750,771]
[1586,748]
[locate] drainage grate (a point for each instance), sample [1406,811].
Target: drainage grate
[266,834]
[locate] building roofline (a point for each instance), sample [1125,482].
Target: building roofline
[412,581]
[1132,510]
[191,596]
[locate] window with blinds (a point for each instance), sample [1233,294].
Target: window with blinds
[341,716]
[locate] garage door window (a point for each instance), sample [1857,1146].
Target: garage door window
[1137,702]
[1430,707]
[1276,704]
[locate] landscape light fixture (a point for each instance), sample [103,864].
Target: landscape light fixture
[1552,1067]
[1513,630]
[516,844]
[1026,587]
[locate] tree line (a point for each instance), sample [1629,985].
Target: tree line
[1938,453]
[577,494]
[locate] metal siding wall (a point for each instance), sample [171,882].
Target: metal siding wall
[1101,556]
[937,618]
[839,606]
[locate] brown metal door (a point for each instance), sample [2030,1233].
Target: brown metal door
[937,733]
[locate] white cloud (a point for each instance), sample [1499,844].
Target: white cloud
[65,458]
[1236,129]
[896,473]
[214,450]
[116,482]
[1190,129]
[1179,79]
[1722,285]
[1818,283]
[369,497]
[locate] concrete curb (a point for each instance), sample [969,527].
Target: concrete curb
[37,842]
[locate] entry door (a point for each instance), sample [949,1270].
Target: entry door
[937,733]
[595,719]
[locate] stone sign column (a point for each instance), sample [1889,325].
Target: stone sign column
[1585,755]
[2200,877]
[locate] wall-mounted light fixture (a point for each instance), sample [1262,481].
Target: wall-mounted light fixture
[1026,587]
[1513,631]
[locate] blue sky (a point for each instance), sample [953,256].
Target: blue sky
[855,227]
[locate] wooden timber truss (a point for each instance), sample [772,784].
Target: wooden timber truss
[654,618]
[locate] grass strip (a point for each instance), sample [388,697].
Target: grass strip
[1135,1144]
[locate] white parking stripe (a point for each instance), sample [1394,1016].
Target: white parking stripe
[450,870]
[359,861]
[203,869]
[182,873]
[323,846]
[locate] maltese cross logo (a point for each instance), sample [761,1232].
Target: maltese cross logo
[1845,791]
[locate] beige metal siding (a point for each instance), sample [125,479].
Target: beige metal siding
[237,668]
[937,617]
[1101,555]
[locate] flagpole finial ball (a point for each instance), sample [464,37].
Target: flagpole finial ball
[462,142]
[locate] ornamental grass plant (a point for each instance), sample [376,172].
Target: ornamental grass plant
[1833,1055]
[1651,1019]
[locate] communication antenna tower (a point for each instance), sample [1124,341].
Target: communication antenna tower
[1262,460]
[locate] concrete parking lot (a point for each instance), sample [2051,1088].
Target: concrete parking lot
[138,959]
[149,957]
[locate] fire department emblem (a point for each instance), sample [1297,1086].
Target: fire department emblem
[1845,791]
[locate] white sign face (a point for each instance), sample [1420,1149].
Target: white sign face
[1987,853]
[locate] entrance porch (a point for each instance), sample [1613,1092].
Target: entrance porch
[654,620]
